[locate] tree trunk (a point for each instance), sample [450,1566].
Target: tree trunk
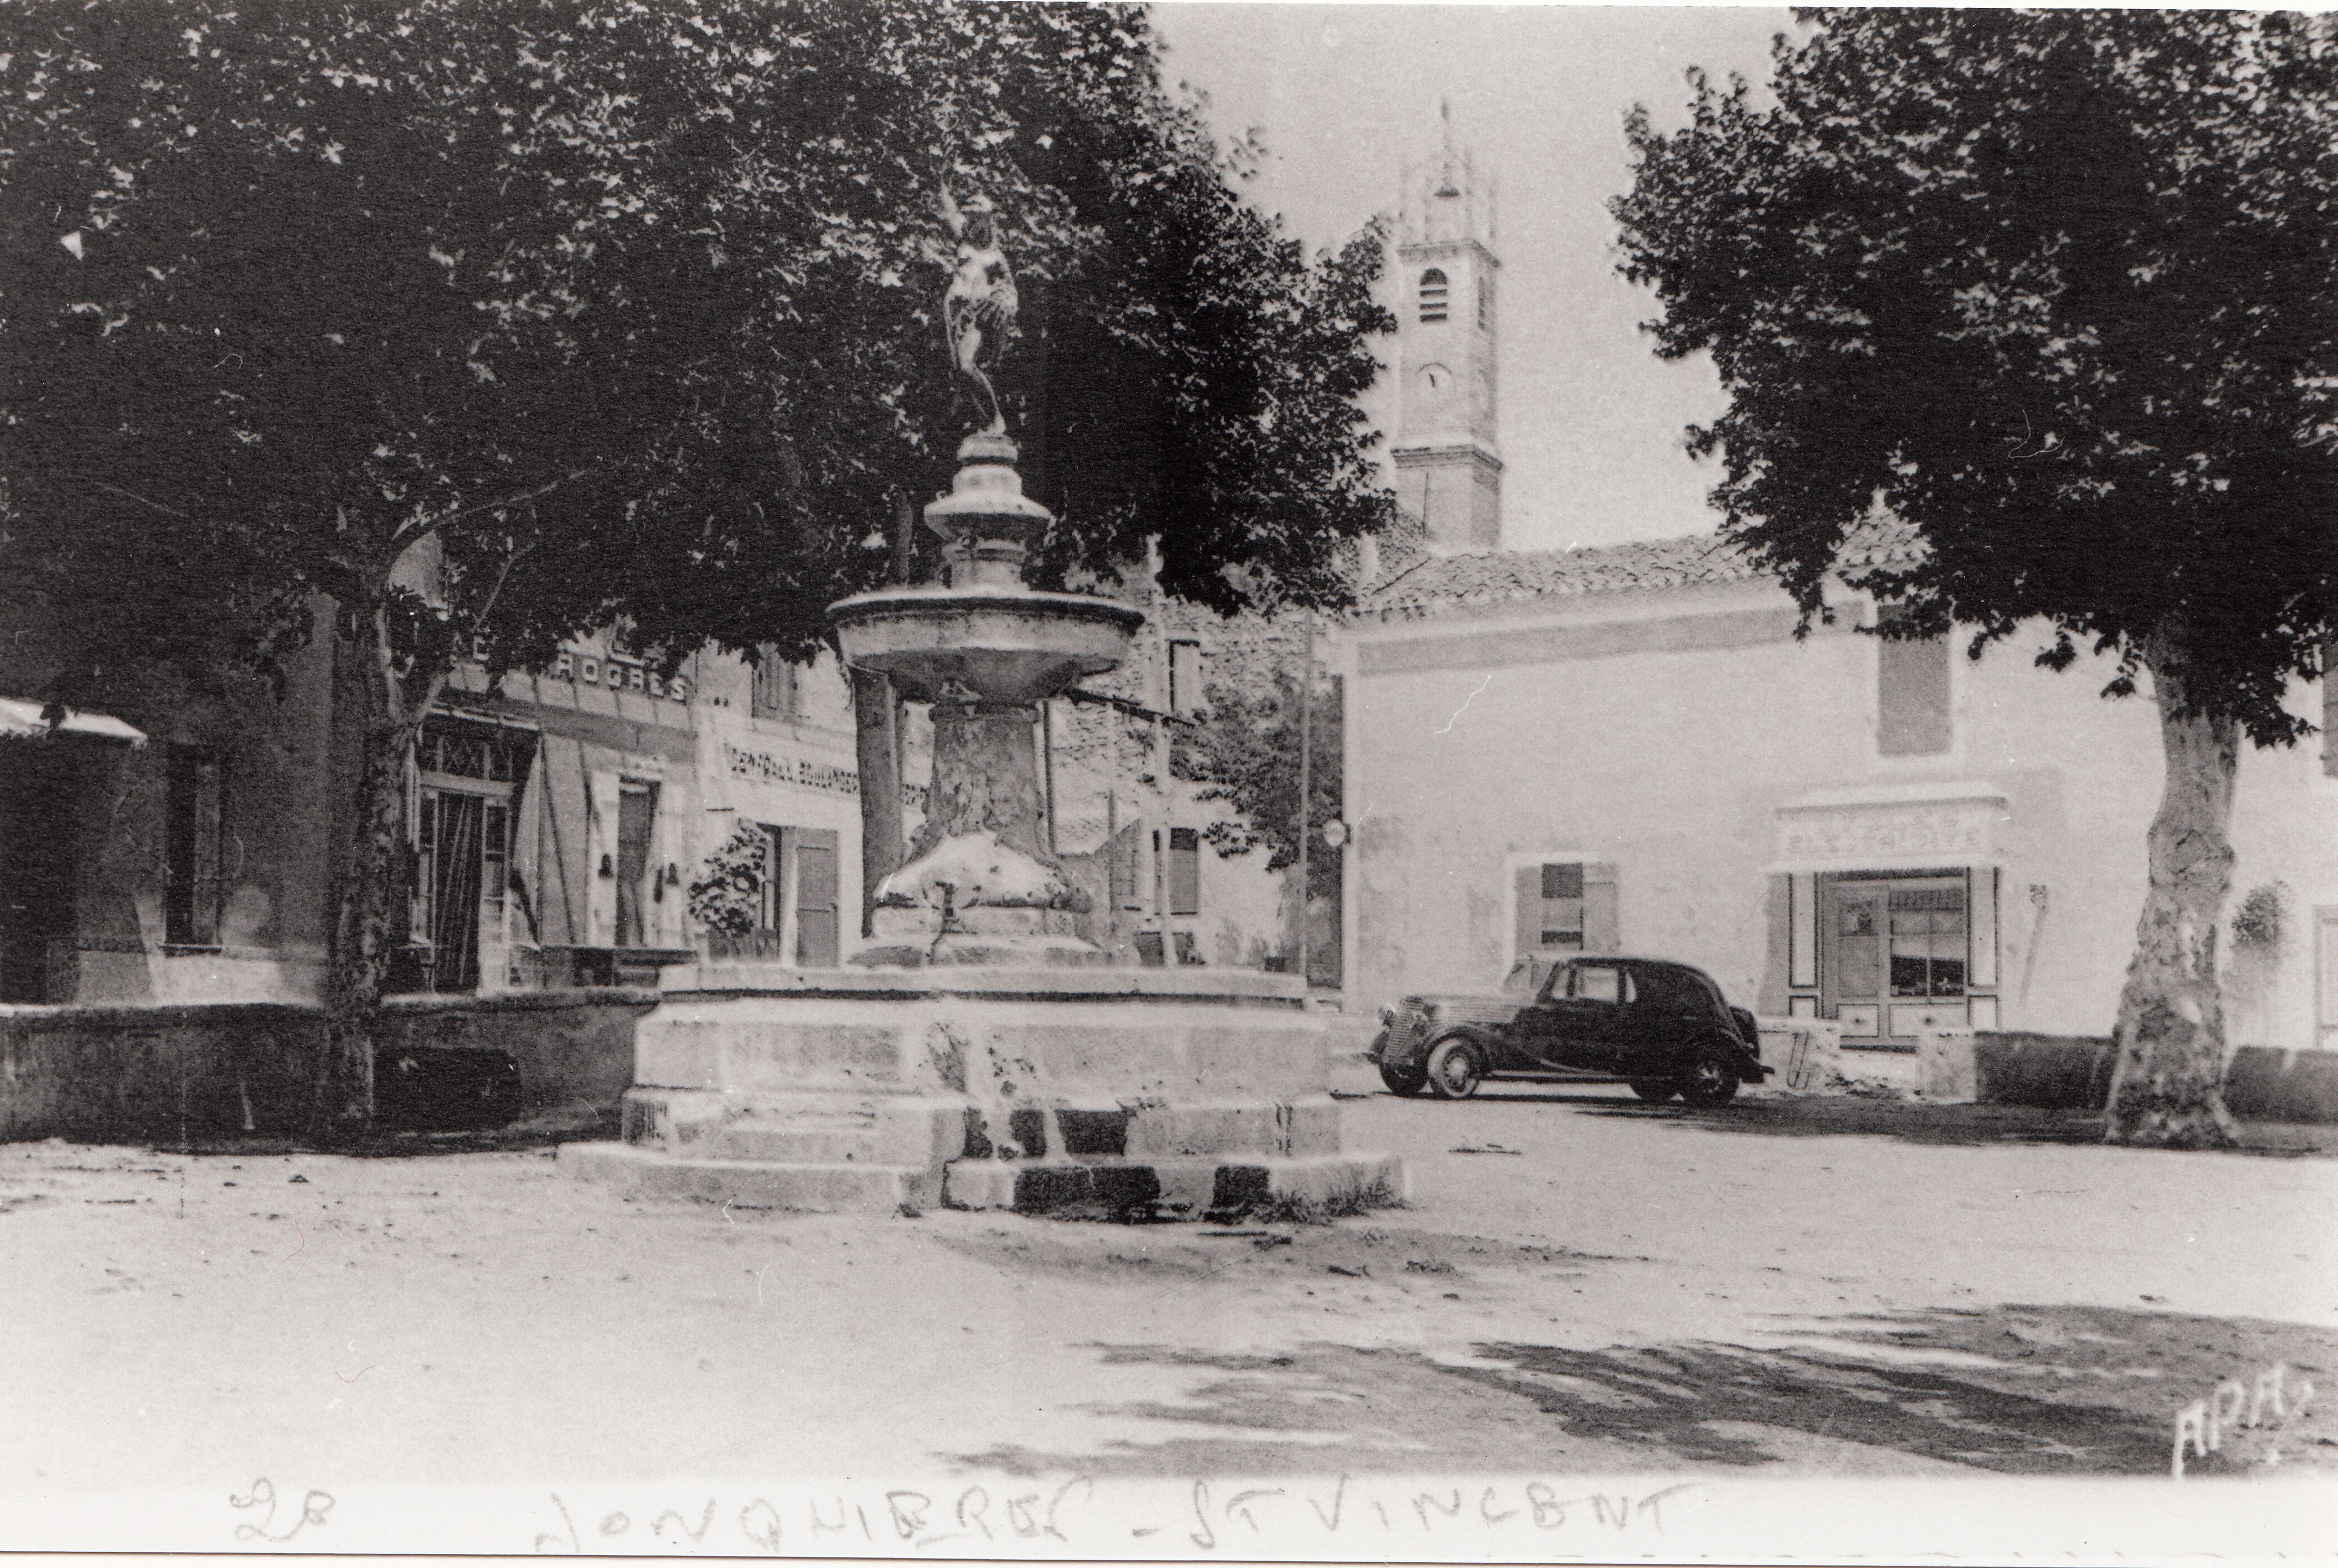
[2170,1036]
[370,922]
[876,748]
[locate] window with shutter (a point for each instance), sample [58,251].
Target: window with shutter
[1184,872]
[1912,677]
[773,692]
[197,802]
[1184,678]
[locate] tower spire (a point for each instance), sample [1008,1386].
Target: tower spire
[1448,467]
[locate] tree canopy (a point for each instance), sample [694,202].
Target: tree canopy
[2057,287]
[493,321]
[632,307]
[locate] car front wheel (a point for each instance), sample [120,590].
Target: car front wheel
[1403,1079]
[1656,1092]
[1711,1082]
[1455,1070]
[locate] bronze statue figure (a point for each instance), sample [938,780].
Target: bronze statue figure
[979,304]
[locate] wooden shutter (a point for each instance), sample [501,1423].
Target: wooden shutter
[816,912]
[1911,678]
[1777,959]
[1529,888]
[1602,915]
[1184,872]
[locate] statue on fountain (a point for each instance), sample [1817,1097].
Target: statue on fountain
[979,304]
[984,649]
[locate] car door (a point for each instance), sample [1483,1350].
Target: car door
[1599,1010]
[1578,1027]
[1538,1035]
[1665,1012]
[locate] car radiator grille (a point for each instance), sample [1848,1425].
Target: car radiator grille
[1404,1025]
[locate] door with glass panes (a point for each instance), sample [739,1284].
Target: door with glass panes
[1896,954]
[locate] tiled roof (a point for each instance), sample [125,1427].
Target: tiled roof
[1493,577]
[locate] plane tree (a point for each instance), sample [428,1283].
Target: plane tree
[480,323]
[2056,289]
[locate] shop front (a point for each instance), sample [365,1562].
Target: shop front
[1890,897]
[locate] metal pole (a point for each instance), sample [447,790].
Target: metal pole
[1306,784]
[1047,762]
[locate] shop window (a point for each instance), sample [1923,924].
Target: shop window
[1928,941]
[1184,872]
[1185,678]
[776,691]
[1897,939]
[195,888]
[1436,293]
[1912,690]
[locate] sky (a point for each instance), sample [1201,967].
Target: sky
[1591,421]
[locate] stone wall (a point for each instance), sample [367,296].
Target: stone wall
[2074,1072]
[169,1074]
[574,1048]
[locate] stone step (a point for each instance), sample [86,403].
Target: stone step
[795,1143]
[846,1188]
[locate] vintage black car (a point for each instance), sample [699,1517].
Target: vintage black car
[1662,1027]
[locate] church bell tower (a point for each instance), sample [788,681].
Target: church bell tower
[1448,470]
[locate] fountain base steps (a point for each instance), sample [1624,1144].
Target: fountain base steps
[1118,1091]
[846,1188]
[1186,1188]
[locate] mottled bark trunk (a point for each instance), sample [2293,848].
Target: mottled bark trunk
[371,914]
[877,748]
[2170,1035]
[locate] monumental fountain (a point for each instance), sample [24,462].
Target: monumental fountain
[976,1052]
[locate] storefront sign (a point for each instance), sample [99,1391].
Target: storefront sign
[615,672]
[779,768]
[1933,833]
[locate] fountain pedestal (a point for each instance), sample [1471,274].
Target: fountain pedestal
[977,1052]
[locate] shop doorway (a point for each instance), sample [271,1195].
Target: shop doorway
[40,835]
[465,786]
[1895,955]
[636,821]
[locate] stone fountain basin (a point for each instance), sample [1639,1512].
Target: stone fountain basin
[983,644]
[1199,1088]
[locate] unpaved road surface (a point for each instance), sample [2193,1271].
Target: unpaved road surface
[1579,1285]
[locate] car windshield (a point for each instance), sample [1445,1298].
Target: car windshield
[1527,977]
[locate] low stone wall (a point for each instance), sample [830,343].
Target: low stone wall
[168,1074]
[2262,1084]
[574,1048]
[2064,1072]
[158,1075]
[2074,1072]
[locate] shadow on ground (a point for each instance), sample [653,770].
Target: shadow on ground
[1910,1122]
[546,1131]
[2013,1390]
